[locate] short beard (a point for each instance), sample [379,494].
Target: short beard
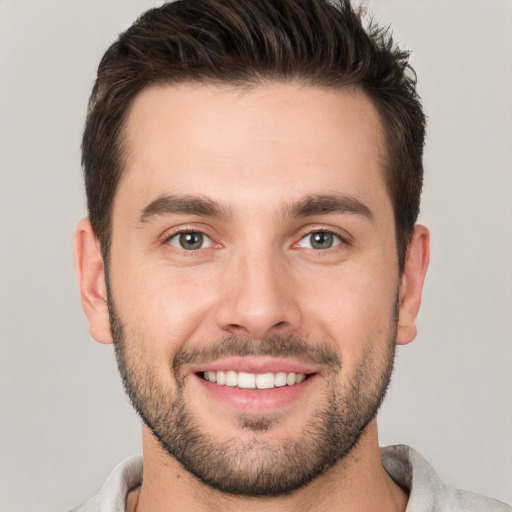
[255,467]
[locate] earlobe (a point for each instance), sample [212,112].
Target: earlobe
[91,276]
[411,285]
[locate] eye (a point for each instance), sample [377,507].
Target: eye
[320,240]
[190,241]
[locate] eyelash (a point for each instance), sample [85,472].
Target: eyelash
[342,240]
[167,240]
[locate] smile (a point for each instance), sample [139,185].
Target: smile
[246,380]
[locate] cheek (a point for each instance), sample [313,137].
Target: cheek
[352,308]
[164,305]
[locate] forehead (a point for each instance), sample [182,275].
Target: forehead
[270,141]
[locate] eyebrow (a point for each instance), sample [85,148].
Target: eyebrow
[205,207]
[192,205]
[325,204]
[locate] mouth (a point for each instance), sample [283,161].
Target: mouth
[256,385]
[246,380]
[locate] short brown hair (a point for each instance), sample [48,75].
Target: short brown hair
[246,42]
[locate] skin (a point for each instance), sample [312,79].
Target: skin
[255,152]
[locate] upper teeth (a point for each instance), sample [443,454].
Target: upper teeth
[254,380]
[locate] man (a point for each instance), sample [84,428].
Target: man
[253,172]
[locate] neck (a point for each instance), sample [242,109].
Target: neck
[358,482]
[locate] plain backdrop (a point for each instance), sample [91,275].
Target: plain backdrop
[64,420]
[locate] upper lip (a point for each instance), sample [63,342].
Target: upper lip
[255,364]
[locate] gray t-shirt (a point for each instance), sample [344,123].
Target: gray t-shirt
[404,465]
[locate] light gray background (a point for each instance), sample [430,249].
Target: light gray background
[64,421]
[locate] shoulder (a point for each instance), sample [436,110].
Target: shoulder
[427,493]
[91,506]
[111,498]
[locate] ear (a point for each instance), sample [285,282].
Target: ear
[91,276]
[411,284]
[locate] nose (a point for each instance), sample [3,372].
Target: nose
[257,297]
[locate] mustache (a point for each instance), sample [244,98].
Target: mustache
[289,346]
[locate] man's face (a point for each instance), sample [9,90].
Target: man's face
[253,244]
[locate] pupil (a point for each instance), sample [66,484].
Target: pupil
[322,240]
[191,241]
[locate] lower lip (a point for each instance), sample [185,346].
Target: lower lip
[257,400]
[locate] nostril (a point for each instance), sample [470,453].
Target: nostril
[238,329]
[282,327]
